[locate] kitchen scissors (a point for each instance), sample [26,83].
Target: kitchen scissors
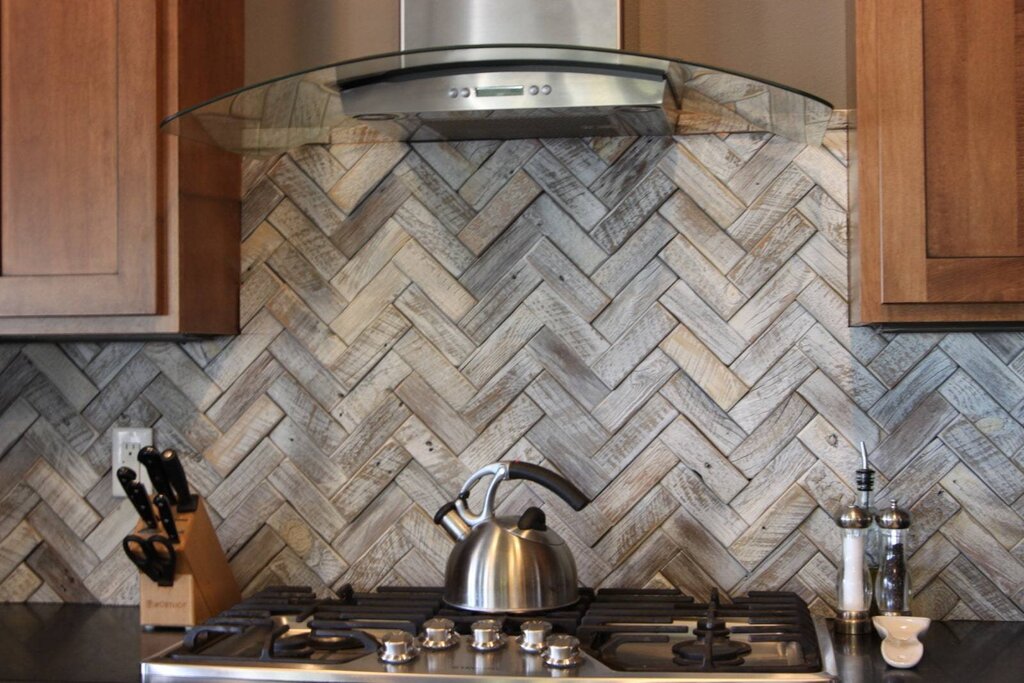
[153,554]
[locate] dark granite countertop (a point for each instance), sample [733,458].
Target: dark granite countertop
[88,644]
[954,651]
[75,643]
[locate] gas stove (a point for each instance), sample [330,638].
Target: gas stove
[410,635]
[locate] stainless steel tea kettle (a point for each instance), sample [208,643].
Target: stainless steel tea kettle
[508,564]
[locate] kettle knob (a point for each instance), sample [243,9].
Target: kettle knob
[533,519]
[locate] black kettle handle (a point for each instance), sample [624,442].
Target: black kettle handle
[565,489]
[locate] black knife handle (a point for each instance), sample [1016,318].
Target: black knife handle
[166,512]
[136,492]
[149,457]
[126,476]
[179,482]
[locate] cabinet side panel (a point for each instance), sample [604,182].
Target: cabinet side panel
[210,60]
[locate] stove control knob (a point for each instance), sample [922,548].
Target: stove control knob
[487,635]
[534,633]
[397,647]
[563,652]
[439,634]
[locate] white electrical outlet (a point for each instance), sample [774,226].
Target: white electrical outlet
[125,453]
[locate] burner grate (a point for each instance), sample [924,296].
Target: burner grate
[620,623]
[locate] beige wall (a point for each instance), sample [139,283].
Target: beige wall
[801,43]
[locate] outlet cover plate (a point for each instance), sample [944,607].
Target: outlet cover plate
[125,446]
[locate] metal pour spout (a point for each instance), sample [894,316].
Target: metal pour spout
[451,521]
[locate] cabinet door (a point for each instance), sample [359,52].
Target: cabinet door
[940,113]
[78,157]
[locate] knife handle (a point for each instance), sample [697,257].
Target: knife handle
[126,476]
[179,482]
[149,457]
[166,512]
[136,492]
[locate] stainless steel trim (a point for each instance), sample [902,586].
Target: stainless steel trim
[438,23]
[853,622]
[825,646]
[564,88]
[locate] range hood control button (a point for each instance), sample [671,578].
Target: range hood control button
[487,635]
[397,647]
[545,90]
[563,652]
[439,634]
[534,90]
[464,92]
[534,633]
[453,92]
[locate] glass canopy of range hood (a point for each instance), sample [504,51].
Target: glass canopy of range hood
[498,92]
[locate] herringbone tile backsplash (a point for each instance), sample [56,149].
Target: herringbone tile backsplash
[663,322]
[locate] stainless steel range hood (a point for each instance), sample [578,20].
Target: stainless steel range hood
[494,69]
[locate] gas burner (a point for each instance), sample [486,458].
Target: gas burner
[335,640]
[293,647]
[335,636]
[712,647]
[718,651]
[199,636]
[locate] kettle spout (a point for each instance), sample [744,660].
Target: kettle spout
[449,519]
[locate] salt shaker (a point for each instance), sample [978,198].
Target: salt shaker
[892,585]
[853,587]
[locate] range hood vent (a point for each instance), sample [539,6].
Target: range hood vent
[499,91]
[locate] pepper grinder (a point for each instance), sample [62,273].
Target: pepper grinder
[892,586]
[853,587]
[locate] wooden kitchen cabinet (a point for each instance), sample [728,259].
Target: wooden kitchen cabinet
[108,226]
[939,225]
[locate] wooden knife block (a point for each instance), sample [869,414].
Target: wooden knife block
[203,583]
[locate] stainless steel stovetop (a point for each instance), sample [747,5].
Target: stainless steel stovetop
[285,634]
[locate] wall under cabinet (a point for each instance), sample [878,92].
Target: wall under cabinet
[664,322]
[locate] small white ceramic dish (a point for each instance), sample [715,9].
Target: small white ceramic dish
[901,647]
